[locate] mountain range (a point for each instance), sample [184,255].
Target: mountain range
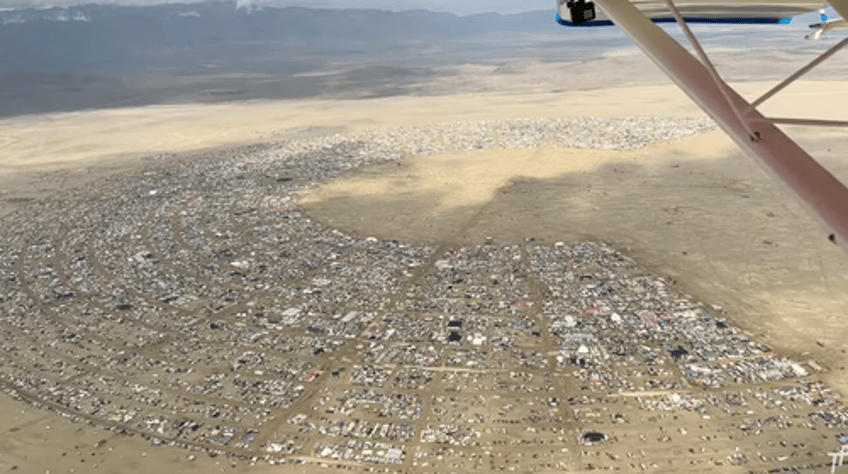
[130,39]
[95,56]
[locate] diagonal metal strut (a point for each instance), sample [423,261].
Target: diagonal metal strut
[754,136]
[799,73]
[778,154]
[808,122]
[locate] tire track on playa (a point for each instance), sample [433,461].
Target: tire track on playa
[539,289]
[427,396]
[440,251]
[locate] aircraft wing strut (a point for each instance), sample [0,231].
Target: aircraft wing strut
[753,133]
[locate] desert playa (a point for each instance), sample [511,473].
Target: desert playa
[691,210]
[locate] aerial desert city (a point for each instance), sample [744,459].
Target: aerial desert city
[431,238]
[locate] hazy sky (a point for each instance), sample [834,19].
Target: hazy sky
[461,7]
[455,6]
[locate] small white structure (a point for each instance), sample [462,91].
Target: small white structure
[394,455]
[843,451]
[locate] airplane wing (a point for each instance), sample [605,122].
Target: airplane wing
[754,133]
[828,25]
[703,11]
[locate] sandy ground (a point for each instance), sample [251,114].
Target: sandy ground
[695,210]
[83,146]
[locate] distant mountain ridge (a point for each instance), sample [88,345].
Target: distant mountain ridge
[122,37]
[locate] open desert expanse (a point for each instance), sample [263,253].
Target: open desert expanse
[692,210]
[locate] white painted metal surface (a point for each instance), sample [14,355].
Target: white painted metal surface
[657,9]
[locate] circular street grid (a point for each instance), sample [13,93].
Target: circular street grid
[193,303]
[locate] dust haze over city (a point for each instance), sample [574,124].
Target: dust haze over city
[405,236]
